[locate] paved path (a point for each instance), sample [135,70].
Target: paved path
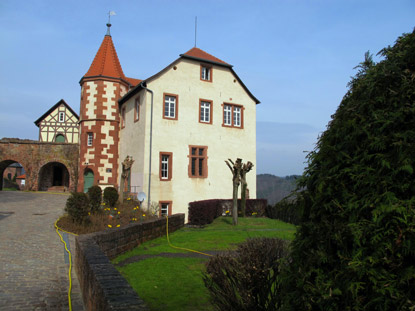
[33,269]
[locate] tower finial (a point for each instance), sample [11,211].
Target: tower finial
[195,29]
[110,13]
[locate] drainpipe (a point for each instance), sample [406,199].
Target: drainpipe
[151,143]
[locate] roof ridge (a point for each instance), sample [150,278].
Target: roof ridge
[198,53]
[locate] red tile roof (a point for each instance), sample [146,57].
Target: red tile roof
[133,81]
[21,176]
[198,53]
[106,61]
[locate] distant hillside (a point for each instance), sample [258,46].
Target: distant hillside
[274,188]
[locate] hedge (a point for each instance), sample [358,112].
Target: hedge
[204,212]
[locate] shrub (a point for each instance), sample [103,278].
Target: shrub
[95,198]
[354,249]
[286,210]
[248,278]
[7,183]
[204,212]
[254,207]
[77,206]
[110,196]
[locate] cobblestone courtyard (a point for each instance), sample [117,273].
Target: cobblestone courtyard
[33,264]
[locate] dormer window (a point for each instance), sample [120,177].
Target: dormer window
[61,117]
[206,73]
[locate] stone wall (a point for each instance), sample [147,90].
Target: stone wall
[33,155]
[103,287]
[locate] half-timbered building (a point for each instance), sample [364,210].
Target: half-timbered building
[59,124]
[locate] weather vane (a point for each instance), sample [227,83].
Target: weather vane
[110,13]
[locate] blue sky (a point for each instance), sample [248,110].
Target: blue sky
[295,56]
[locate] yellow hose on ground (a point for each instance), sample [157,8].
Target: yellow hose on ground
[70,262]
[185,249]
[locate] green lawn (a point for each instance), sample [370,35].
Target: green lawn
[176,283]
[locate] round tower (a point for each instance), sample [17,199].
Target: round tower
[101,88]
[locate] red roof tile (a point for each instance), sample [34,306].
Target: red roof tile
[198,53]
[133,81]
[106,61]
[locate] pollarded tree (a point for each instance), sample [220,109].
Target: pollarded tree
[235,168]
[246,167]
[355,248]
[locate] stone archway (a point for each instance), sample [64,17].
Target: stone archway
[12,174]
[34,155]
[53,176]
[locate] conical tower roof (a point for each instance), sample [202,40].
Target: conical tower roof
[106,62]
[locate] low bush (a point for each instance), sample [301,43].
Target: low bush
[247,279]
[95,198]
[110,218]
[204,212]
[110,196]
[77,206]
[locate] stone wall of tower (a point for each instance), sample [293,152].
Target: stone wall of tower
[100,116]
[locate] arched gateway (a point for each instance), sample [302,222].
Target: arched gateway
[46,164]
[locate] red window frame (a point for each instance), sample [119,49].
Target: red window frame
[194,161]
[210,112]
[232,115]
[176,107]
[169,166]
[170,207]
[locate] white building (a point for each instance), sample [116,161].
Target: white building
[186,121]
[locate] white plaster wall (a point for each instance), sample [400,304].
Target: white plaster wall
[132,141]
[176,135]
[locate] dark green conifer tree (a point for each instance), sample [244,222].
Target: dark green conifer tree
[355,247]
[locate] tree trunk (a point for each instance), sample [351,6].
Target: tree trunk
[235,169]
[244,185]
[235,203]
[121,194]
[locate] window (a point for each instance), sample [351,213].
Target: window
[205,111]
[170,106]
[227,115]
[61,116]
[206,73]
[165,208]
[198,162]
[166,165]
[90,139]
[237,116]
[232,115]
[123,117]
[137,109]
